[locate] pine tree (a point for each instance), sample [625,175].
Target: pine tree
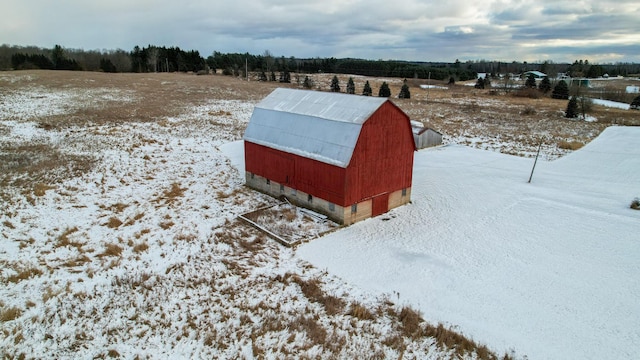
[635,104]
[404,91]
[384,90]
[531,82]
[107,66]
[452,80]
[335,84]
[351,86]
[263,76]
[480,83]
[572,108]
[273,76]
[545,85]
[560,91]
[367,89]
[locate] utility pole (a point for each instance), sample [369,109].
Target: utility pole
[534,163]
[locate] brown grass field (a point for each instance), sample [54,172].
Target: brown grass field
[488,118]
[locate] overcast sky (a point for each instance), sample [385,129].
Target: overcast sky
[600,31]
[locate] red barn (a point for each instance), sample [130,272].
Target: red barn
[349,157]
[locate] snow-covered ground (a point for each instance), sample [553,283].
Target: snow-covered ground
[611,104]
[549,268]
[139,253]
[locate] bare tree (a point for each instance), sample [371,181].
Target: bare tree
[152,58]
[268,60]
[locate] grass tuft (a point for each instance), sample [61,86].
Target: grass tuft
[24,274]
[635,204]
[10,313]
[141,247]
[40,189]
[113,222]
[410,320]
[570,145]
[360,311]
[112,250]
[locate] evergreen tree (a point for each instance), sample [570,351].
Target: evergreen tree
[635,104]
[107,66]
[530,82]
[262,77]
[561,90]
[384,90]
[404,91]
[351,86]
[480,83]
[572,108]
[452,80]
[273,76]
[545,85]
[367,89]
[335,84]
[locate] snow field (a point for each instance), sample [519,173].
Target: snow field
[548,268]
[141,256]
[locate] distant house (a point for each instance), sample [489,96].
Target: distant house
[632,89]
[346,156]
[536,74]
[424,135]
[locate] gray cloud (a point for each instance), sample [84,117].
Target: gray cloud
[413,30]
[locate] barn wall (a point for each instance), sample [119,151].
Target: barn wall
[382,161]
[433,138]
[310,176]
[300,198]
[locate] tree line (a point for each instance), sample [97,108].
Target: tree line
[169,59]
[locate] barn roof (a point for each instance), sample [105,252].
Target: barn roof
[319,125]
[418,128]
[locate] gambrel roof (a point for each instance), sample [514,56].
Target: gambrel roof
[322,126]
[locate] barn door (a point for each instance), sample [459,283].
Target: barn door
[380,204]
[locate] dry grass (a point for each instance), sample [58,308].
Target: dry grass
[635,204]
[410,320]
[40,189]
[111,250]
[24,274]
[360,311]
[113,223]
[11,313]
[316,334]
[462,345]
[570,145]
[173,193]
[141,247]
[63,239]
[8,224]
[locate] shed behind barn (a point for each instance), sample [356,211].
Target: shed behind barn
[424,135]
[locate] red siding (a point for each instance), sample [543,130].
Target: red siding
[311,176]
[382,161]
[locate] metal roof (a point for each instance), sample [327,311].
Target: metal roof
[318,125]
